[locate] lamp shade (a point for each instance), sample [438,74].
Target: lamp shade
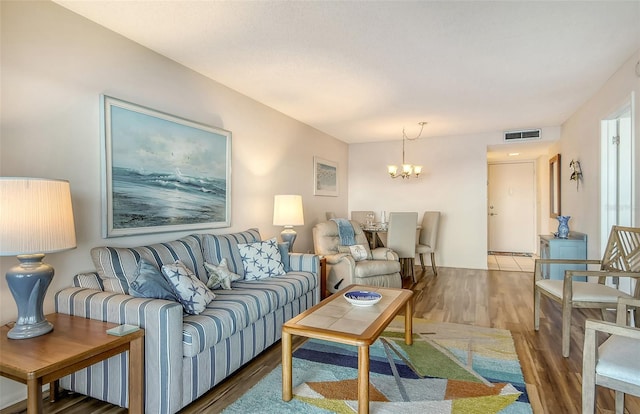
[287,210]
[36,216]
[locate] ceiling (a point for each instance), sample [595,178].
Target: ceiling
[362,71]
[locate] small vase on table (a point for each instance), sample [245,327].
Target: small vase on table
[563,227]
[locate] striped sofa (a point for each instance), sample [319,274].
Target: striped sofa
[185,355]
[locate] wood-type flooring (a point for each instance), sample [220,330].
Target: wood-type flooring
[493,298]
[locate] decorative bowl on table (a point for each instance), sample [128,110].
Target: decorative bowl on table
[362,297]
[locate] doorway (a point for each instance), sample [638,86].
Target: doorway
[617,174]
[511,207]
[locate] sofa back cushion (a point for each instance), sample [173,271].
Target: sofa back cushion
[117,266]
[225,246]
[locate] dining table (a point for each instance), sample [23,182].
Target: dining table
[377,234]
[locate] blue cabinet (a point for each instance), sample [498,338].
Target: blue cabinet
[573,247]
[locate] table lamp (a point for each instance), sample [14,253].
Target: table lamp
[287,212]
[36,217]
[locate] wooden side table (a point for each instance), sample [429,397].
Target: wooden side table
[75,343]
[323,278]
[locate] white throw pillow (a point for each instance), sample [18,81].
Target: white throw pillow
[261,259]
[192,293]
[358,252]
[220,276]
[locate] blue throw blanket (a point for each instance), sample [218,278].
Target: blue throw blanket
[345,231]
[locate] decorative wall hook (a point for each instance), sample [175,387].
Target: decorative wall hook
[576,172]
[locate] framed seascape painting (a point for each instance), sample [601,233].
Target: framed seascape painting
[162,173]
[325,177]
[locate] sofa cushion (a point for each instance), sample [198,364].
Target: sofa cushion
[368,268]
[234,310]
[117,266]
[261,259]
[219,246]
[192,293]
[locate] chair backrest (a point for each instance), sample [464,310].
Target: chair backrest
[326,238]
[623,252]
[330,215]
[429,229]
[401,234]
[360,216]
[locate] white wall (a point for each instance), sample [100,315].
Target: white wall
[580,140]
[454,181]
[55,65]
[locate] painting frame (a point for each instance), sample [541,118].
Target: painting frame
[325,177]
[160,172]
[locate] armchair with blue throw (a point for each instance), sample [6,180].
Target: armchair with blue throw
[349,258]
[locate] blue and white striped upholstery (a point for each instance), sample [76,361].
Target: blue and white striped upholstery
[117,265]
[234,310]
[219,246]
[187,355]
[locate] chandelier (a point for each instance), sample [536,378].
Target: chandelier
[407,169]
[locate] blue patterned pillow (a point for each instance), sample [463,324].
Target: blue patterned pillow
[192,293]
[261,259]
[148,282]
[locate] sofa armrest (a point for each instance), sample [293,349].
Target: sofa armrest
[304,262]
[162,321]
[384,253]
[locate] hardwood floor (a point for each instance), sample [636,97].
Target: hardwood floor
[497,299]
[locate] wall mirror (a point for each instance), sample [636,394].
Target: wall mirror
[554,186]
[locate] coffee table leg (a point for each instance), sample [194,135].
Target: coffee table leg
[287,392]
[363,379]
[408,323]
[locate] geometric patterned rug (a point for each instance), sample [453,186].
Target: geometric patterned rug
[450,368]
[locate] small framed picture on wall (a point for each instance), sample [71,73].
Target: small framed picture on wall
[325,177]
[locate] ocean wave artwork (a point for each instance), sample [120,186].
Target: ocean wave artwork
[148,199]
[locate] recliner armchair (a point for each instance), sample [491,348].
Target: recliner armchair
[382,268]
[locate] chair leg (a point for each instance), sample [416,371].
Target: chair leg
[413,270]
[433,264]
[619,402]
[536,309]
[589,372]
[422,261]
[566,328]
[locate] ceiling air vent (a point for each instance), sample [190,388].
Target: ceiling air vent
[522,135]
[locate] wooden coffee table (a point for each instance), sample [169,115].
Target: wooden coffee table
[74,343]
[334,319]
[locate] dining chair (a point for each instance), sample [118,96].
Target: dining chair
[621,259]
[428,238]
[401,238]
[330,215]
[615,363]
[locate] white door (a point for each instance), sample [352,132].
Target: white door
[511,208]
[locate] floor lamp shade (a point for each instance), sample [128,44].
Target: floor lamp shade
[36,217]
[287,212]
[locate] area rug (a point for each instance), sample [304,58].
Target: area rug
[450,368]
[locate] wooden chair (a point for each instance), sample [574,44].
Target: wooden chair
[401,238]
[621,259]
[428,237]
[615,364]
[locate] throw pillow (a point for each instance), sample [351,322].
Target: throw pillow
[220,276]
[148,282]
[192,293]
[358,251]
[261,259]
[284,255]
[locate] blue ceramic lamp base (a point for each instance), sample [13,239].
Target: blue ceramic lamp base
[28,283]
[289,235]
